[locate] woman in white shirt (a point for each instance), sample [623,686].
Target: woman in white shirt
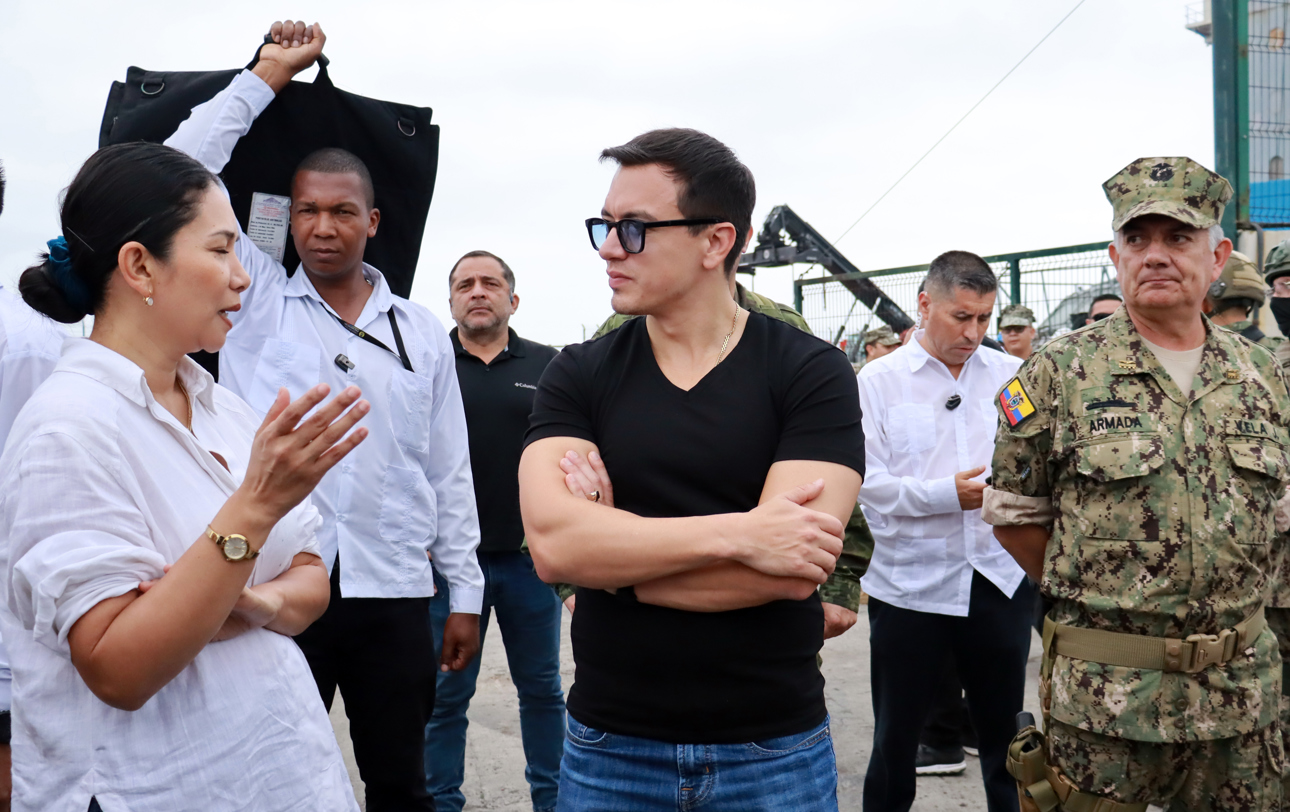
[135,691]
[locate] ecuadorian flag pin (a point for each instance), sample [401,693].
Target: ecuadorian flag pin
[1016,403]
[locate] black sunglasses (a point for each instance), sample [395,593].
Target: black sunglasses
[631,233]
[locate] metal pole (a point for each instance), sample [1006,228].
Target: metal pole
[1242,196]
[1232,105]
[1014,267]
[797,295]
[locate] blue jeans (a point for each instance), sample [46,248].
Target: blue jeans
[528,613]
[606,771]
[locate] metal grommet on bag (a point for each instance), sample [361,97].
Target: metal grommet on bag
[143,87]
[407,127]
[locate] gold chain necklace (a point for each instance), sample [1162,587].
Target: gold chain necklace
[188,400]
[726,342]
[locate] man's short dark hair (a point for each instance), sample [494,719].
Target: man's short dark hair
[1105,297]
[714,183]
[336,161]
[960,269]
[507,273]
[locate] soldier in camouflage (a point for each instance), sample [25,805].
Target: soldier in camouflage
[1277,276]
[841,593]
[876,343]
[1276,273]
[1137,469]
[1239,293]
[1017,323]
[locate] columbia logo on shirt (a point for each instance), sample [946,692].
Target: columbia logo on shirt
[525,385]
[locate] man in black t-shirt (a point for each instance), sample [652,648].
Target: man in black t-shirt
[698,622]
[498,372]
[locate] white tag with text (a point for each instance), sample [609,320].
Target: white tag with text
[267,225]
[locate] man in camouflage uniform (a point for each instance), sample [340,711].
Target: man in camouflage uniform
[1276,272]
[841,594]
[1237,294]
[1140,483]
[1017,323]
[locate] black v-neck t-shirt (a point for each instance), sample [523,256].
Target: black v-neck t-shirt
[700,677]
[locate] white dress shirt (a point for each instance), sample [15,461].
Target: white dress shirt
[925,545]
[407,489]
[29,348]
[100,487]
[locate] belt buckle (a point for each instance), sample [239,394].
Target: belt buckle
[1207,650]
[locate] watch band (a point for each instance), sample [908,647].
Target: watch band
[223,542]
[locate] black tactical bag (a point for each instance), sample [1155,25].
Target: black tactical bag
[397,142]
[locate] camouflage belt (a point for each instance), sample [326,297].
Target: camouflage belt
[1190,654]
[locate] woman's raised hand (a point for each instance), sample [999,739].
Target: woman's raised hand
[289,457]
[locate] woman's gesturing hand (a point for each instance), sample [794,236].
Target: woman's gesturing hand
[289,457]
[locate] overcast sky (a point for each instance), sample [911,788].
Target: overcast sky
[827,102]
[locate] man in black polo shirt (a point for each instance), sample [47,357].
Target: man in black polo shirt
[498,372]
[734,446]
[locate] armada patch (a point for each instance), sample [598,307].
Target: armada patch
[1016,404]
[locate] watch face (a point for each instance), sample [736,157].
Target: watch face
[236,548]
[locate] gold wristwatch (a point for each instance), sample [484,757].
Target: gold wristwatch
[234,546]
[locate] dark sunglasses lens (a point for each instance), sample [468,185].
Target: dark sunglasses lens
[599,233]
[1100,316]
[632,233]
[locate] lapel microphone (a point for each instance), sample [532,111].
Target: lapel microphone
[953,402]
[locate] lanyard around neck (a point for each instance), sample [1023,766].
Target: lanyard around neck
[373,340]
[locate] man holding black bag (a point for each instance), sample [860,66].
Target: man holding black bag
[409,497]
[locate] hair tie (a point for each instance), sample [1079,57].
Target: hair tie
[60,262]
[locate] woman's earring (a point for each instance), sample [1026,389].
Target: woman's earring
[147,300]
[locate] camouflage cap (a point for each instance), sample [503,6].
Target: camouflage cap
[1175,187]
[1239,280]
[1016,315]
[1278,262]
[880,335]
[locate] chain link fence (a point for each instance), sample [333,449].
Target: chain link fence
[1269,111]
[1058,284]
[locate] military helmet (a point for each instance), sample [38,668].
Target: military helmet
[1278,262]
[1239,280]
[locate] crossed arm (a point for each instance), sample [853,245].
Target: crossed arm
[782,549]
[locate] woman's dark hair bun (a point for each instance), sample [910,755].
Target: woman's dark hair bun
[42,293]
[136,192]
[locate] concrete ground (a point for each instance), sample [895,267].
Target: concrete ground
[495,760]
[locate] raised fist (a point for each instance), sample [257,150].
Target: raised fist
[295,45]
